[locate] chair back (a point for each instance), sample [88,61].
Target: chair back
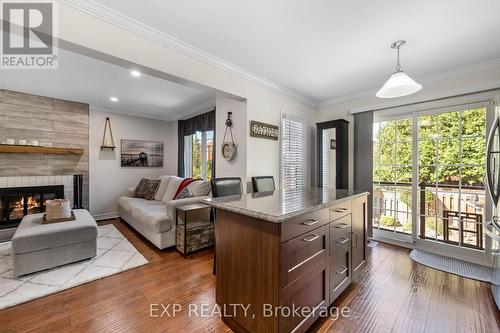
[263,184]
[223,187]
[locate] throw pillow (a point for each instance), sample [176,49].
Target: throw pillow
[200,188]
[146,189]
[162,188]
[185,193]
[173,185]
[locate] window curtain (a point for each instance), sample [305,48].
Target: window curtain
[363,159]
[201,123]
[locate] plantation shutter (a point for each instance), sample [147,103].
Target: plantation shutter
[293,168]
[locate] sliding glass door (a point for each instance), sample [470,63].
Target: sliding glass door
[429,169]
[392,163]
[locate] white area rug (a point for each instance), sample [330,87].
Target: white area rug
[453,266]
[115,254]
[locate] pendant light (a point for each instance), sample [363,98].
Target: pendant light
[399,84]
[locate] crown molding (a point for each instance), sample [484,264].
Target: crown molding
[127,23]
[466,70]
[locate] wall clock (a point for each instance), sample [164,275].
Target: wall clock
[229,148]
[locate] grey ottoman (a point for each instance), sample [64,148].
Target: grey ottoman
[38,246]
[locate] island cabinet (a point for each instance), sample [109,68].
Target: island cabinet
[359,235]
[286,271]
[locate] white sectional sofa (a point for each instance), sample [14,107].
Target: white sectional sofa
[155,219]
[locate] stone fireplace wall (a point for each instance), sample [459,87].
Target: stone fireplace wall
[48,120]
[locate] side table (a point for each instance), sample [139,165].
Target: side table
[194,229]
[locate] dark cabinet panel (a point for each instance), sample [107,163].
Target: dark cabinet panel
[310,291]
[340,210]
[340,272]
[302,253]
[304,223]
[359,229]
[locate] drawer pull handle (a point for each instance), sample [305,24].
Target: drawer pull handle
[340,210]
[310,222]
[343,240]
[342,272]
[342,226]
[310,238]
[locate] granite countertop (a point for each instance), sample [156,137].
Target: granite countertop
[281,205]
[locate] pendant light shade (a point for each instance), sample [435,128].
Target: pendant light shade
[399,84]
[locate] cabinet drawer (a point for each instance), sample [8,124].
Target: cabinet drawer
[341,224]
[309,292]
[339,239]
[304,223]
[340,210]
[302,253]
[340,272]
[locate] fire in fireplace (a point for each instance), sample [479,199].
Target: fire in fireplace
[16,202]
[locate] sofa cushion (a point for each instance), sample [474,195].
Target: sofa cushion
[129,203]
[163,187]
[146,189]
[185,193]
[173,185]
[153,216]
[199,188]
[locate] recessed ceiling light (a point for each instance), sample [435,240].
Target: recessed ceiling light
[113,99]
[135,73]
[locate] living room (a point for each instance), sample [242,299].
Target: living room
[164,175]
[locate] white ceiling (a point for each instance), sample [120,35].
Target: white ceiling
[87,80]
[324,49]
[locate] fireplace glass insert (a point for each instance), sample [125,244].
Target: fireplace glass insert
[16,202]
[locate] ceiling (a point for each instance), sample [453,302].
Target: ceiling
[91,81]
[326,49]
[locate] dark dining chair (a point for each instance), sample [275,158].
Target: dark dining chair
[223,187]
[263,184]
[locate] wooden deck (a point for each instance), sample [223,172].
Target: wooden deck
[396,295]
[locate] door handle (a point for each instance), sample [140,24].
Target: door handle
[342,226]
[343,240]
[491,169]
[487,230]
[310,222]
[342,272]
[310,238]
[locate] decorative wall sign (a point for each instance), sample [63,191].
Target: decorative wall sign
[141,154]
[262,130]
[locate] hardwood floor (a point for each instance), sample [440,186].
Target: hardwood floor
[396,295]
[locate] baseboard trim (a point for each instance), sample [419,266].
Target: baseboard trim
[106,216]
[442,252]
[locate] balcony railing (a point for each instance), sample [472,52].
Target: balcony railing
[448,213]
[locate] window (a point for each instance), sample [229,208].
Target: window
[429,169]
[293,168]
[198,150]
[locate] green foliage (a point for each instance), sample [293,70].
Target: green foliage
[389,221]
[430,224]
[196,157]
[439,144]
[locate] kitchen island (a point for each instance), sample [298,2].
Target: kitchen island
[283,257]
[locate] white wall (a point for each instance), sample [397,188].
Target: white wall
[263,104]
[238,166]
[108,180]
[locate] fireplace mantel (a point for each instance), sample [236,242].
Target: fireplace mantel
[12,149]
